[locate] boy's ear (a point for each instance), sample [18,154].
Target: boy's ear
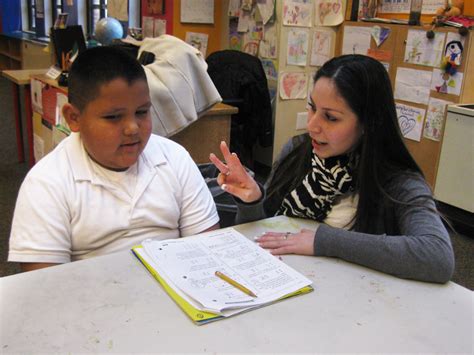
[71,113]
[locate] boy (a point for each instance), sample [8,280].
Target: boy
[111,183]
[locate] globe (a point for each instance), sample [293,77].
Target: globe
[107,29]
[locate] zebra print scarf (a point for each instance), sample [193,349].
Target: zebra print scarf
[314,196]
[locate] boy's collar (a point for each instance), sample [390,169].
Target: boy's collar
[81,166]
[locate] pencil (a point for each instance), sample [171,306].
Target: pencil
[235,284]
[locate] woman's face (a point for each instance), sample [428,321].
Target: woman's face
[333,127]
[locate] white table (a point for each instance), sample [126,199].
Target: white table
[112,304]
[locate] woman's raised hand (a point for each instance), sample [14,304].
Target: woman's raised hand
[233,178]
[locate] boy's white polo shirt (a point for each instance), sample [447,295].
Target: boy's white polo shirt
[67,212]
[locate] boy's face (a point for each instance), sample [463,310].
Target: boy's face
[115,126]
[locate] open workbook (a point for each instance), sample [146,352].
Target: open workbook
[187,267]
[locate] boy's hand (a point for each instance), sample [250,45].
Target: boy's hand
[233,178]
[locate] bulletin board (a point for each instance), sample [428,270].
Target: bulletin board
[396,52]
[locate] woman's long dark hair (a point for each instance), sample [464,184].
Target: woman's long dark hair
[364,84]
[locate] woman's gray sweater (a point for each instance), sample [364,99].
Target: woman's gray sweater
[410,240]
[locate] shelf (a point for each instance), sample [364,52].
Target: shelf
[11,56]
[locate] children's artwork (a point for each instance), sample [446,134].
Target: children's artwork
[297,13]
[244,19]
[297,49]
[435,118]
[422,50]
[235,38]
[413,85]
[321,47]
[38,146]
[268,45]
[266,9]
[293,85]
[234,8]
[249,45]
[356,40]
[269,69]
[329,12]
[197,11]
[410,120]
[198,40]
[446,83]
[380,34]
[255,29]
[453,52]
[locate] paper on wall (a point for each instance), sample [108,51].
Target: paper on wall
[329,12]
[36,95]
[293,85]
[61,122]
[410,120]
[268,45]
[269,69]
[297,13]
[356,40]
[297,49]
[423,51]
[198,41]
[413,85]
[38,147]
[197,11]
[266,9]
[147,24]
[435,118]
[159,27]
[446,84]
[454,47]
[321,47]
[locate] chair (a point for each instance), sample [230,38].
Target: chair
[240,80]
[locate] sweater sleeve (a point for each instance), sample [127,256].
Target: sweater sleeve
[422,252]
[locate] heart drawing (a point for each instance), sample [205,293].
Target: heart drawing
[406,124]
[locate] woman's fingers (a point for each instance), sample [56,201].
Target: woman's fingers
[288,243]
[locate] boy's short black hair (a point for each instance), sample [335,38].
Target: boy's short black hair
[97,66]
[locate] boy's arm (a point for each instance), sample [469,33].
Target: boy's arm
[35,266]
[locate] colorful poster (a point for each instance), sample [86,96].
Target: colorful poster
[293,85]
[422,50]
[297,49]
[413,85]
[445,83]
[356,40]
[296,13]
[269,69]
[453,48]
[410,120]
[321,47]
[328,12]
[235,38]
[435,118]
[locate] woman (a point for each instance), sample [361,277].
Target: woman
[353,173]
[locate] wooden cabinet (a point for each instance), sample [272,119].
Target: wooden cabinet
[427,151]
[19,51]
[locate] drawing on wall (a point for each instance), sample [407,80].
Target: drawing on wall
[198,41]
[268,45]
[269,69]
[266,9]
[423,51]
[328,12]
[410,120]
[412,85]
[454,48]
[321,47]
[293,85]
[356,40]
[435,118]
[249,45]
[446,83]
[297,13]
[297,49]
[380,34]
[235,39]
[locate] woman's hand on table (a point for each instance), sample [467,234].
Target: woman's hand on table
[278,243]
